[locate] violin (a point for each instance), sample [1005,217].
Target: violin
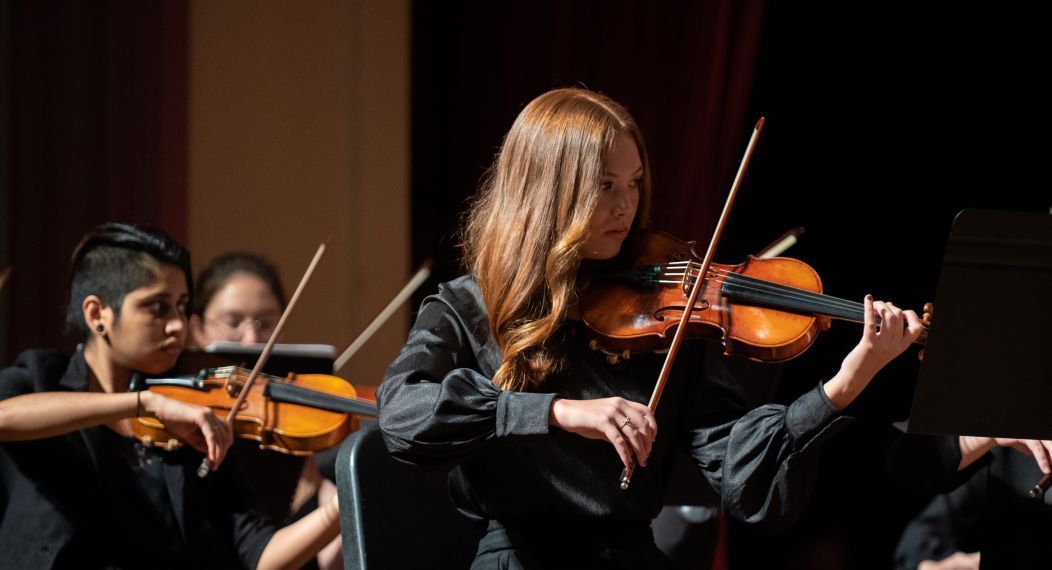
[766,310]
[297,415]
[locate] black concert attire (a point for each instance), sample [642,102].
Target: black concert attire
[991,513]
[95,499]
[550,497]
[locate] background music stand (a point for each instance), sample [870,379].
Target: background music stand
[987,368]
[284,358]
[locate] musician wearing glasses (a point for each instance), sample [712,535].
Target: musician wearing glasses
[240,299]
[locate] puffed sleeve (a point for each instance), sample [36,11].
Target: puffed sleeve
[437,401]
[762,462]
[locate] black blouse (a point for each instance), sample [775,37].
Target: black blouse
[438,406]
[95,499]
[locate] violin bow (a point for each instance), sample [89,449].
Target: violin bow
[205,468]
[695,289]
[417,280]
[778,246]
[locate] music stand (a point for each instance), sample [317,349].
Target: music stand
[284,358]
[987,368]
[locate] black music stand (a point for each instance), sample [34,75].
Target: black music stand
[987,368]
[284,358]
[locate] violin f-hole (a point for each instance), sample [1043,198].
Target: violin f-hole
[701,305]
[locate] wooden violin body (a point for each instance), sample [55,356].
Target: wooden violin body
[298,415]
[767,310]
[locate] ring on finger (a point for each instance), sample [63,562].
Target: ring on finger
[626,422]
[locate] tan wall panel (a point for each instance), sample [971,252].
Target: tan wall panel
[299,129]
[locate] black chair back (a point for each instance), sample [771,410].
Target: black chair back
[395,516]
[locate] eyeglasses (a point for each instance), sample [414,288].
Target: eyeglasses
[234,328]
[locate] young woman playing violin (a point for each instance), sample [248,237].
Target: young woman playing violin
[239,298]
[497,374]
[78,490]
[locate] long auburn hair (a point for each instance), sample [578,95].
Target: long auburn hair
[524,233]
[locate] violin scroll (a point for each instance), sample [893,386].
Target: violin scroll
[926,320]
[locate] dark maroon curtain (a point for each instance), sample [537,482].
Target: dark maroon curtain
[98,133]
[706,147]
[684,70]
[883,122]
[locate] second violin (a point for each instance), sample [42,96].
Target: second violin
[298,415]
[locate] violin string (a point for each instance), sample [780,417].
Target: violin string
[786,292]
[803,295]
[792,293]
[830,309]
[777,287]
[789,294]
[820,308]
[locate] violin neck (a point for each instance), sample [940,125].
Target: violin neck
[293,394]
[279,391]
[750,291]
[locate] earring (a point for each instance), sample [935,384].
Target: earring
[100,328]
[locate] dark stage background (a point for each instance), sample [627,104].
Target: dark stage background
[882,122]
[94,112]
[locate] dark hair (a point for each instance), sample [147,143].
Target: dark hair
[213,277]
[113,260]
